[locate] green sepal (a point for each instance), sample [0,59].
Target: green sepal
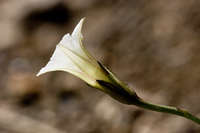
[119,93]
[105,70]
[114,80]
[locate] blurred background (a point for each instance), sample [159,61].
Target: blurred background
[151,45]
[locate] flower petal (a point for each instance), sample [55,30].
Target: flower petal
[73,44]
[77,30]
[59,62]
[91,69]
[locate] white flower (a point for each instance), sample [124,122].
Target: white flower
[71,56]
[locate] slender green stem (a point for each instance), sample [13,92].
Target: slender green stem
[124,94]
[167,109]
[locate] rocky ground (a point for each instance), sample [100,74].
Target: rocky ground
[151,45]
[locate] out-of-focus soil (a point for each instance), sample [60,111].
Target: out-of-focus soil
[151,45]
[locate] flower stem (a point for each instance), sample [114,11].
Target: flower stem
[167,109]
[124,94]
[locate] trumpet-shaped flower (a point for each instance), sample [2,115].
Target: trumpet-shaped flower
[71,56]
